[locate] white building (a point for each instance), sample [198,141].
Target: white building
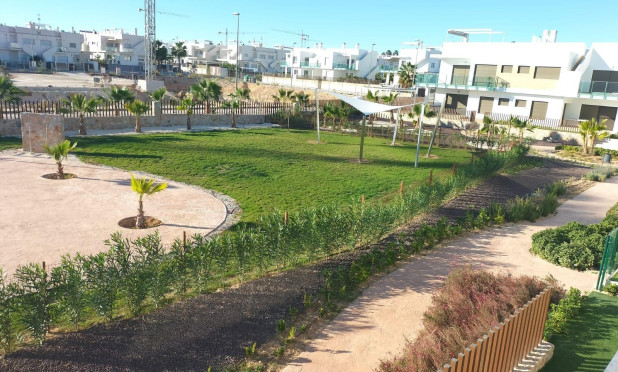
[426,60]
[117,48]
[254,58]
[547,81]
[331,64]
[24,47]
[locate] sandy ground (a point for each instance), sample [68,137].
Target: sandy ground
[61,79]
[376,325]
[170,129]
[43,219]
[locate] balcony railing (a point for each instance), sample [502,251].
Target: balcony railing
[478,83]
[389,68]
[283,64]
[426,79]
[310,65]
[599,89]
[342,66]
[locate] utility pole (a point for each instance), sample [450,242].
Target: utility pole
[149,39]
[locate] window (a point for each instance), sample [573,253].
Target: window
[126,45]
[552,73]
[46,43]
[262,56]
[523,70]
[507,69]
[538,110]
[486,105]
[503,101]
[520,103]
[127,58]
[433,65]
[72,45]
[27,41]
[271,57]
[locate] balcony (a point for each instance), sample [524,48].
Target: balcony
[310,65]
[342,66]
[598,90]
[284,64]
[389,68]
[124,49]
[479,83]
[426,79]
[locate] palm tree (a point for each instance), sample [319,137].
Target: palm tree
[60,152]
[285,96]
[187,104]
[488,127]
[144,186]
[234,104]
[301,99]
[9,92]
[415,115]
[343,112]
[178,51]
[206,90]
[137,108]
[119,96]
[78,103]
[158,94]
[406,74]
[243,94]
[591,130]
[522,125]
[389,100]
[329,112]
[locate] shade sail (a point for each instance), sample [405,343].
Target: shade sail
[366,107]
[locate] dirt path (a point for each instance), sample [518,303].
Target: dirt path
[43,219]
[376,325]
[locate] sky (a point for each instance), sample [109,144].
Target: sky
[387,24]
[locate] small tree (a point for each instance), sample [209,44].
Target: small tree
[406,75]
[137,108]
[373,97]
[206,90]
[285,96]
[243,95]
[78,103]
[591,130]
[179,50]
[389,100]
[9,92]
[233,104]
[60,152]
[158,94]
[521,125]
[118,96]
[144,186]
[186,105]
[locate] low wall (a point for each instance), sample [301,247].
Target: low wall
[13,127]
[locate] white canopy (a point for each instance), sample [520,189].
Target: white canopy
[366,107]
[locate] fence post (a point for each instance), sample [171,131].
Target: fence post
[285,218]
[453,171]
[401,187]
[363,199]
[430,176]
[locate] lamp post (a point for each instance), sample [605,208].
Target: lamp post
[418,45]
[371,60]
[237,44]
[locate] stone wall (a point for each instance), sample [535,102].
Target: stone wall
[41,129]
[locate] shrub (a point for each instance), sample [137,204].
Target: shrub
[522,209]
[600,173]
[9,322]
[559,314]
[611,288]
[556,188]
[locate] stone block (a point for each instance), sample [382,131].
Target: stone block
[41,129]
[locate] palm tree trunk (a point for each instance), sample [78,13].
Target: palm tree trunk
[140,222]
[82,125]
[60,170]
[188,122]
[138,127]
[234,120]
[208,106]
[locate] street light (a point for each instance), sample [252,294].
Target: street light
[371,60]
[237,44]
[418,45]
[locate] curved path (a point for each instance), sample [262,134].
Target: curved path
[43,219]
[376,325]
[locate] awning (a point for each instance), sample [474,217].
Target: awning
[366,107]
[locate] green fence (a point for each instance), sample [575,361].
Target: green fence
[608,262]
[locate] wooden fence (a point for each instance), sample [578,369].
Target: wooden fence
[505,346]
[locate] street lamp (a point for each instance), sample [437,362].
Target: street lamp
[418,45]
[237,44]
[371,60]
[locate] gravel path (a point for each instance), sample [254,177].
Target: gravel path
[212,329]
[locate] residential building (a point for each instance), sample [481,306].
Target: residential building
[26,47]
[543,80]
[426,60]
[331,63]
[254,58]
[117,48]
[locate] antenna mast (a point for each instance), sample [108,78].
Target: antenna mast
[149,39]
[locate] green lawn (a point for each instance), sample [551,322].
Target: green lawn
[590,340]
[269,169]
[10,143]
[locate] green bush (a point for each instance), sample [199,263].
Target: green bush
[557,188]
[559,314]
[612,289]
[600,173]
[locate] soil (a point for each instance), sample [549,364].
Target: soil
[130,222]
[213,329]
[56,176]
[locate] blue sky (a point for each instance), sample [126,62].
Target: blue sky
[385,23]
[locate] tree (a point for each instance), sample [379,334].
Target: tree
[186,105]
[373,97]
[158,94]
[285,96]
[137,108]
[144,186]
[160,52]
[389,100]
[60,152]
[9,92]
[206,90]
[234,104]
[343,112]
[406,75]
[179,51]
[119,96]
[415,115]
[488,128]
[243,95]
[301,99]
[330,112]
[591,130]
[396,53]
[521,125]
[81,105]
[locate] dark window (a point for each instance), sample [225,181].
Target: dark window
[503,101]
[520,103]
[547,73]
[523,70]
[507,69]
[538,110]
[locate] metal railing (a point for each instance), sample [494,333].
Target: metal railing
[310,65]
[389,68]
[609,259]
[506,345]
[598,89]
[429,78]
[342,66]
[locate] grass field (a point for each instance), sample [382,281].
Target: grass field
[10,143]
[590,340]
[270,169]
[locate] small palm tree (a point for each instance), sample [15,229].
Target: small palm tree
[82,105]
[373,97]
[406,75]
[301,100]
[328,111]
[389,100]
[233,104]
[206,90]
[415,115]
[285,96]
[343,112]
[243,95]
[119,96]
[158,94]
[592,130]
[9,92]
[179,50]
[144,186]
[521,125]
[137,108]
[186,105]
[60,152]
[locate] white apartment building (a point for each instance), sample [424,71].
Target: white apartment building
[120,50]
[542,80]
[23,47]
[200,54]
[331,63]
[254,58]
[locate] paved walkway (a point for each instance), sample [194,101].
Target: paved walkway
[43,219]
[376,325]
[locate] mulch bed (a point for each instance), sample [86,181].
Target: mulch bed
[55,176]
[130,222]
[213,329]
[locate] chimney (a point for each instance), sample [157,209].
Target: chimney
[135,31]
[343,46]
[321,45]
[357,46]
[316,46]
[72,29]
